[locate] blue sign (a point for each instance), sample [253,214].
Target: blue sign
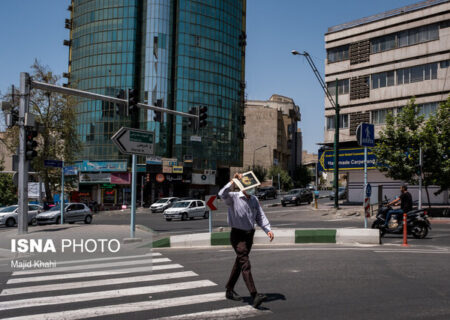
[367,135]
[71,170]
[349,159]
[53,163]
[368,190]
[102,166]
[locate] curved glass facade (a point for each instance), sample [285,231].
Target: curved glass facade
[103,60]
[179,54]
[209,72]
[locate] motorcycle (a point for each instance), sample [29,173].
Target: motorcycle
[417,222]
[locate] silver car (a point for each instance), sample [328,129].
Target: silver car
[73,212]
[187,209]
[162,204]
[9,215]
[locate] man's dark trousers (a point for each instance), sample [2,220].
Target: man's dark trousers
[242,242]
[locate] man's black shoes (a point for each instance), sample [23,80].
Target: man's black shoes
[232,295]
[258,299]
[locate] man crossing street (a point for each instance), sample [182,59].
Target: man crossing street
[244,211]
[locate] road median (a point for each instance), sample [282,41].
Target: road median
[282,237]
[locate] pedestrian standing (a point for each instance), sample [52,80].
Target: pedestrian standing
[244,211]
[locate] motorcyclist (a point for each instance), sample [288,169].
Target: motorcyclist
[406,203]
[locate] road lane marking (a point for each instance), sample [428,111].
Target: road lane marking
[226,313]
[125,308]
[99,295]
[91,266]
[94,273]
[97,283]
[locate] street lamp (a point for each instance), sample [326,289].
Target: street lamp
[335,105]
[254,151]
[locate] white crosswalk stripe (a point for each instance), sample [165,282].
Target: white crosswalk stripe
[115,279]
[94,273]
[91,266]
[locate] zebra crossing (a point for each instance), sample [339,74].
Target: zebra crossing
[146,286]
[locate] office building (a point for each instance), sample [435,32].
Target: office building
[178,54]
[381,62]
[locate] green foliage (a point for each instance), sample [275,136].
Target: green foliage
[259,171]
[285,180]
[302,176]
[397,150]
[8,194]
[435,141]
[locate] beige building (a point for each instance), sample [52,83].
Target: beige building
[272,136]
[381,62]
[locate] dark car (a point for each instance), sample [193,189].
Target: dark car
[297,196]
[342,193]
[265,193]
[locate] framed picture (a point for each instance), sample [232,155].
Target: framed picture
[248,181]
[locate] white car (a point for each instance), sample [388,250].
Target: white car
[9,215]
[187,209]
[162,204]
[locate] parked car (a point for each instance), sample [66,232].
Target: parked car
[342,193]
[265,193]
[187,209]
[297,196]
[163,204]
[310,187]
[73,212]
[9,215]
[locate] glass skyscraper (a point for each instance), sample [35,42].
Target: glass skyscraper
[179,54]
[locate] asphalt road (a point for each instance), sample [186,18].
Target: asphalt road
[302,282]
[302,216]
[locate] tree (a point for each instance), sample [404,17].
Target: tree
[8,194]
[435,142]
[285,179]
[58,139]
[302,176]
[397,150]
[259,171]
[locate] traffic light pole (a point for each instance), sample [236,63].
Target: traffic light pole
[22,224]
[26,84]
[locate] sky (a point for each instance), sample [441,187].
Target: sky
[34,29]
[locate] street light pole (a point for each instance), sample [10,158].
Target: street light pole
[335,105]
[336,150]
[254,151]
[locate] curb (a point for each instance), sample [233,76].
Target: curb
[282,236]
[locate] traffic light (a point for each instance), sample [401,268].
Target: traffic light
[203,116]
[132,100]
[147,177]
[158,115]
[192,121]
[30,144]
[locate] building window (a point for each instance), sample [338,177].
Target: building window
[428,109]
[337,54]
[417,73]
[343,87]
[379,116]
[405,38]
[383,79]
[343,122]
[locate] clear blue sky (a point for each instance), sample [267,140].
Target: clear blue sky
[35,29]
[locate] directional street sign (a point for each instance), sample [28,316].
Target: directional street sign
[134,141]
[70,171]
[368,190]
[53,163]
[210,202]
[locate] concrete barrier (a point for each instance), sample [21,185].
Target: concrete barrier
[282,237]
